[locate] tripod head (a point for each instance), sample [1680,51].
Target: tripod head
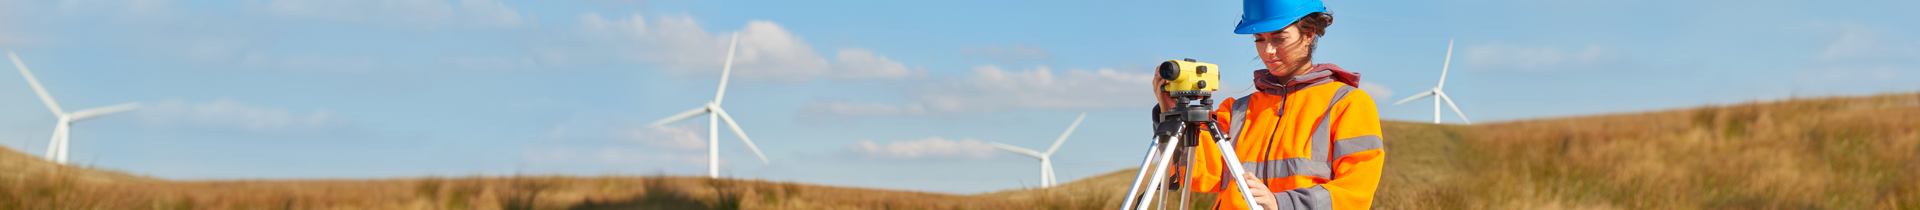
[1185,110]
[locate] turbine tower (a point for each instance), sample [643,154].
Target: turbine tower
[1046,160]
[57,147]
[1436,91]
[713,109]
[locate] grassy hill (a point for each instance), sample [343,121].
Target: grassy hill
[1827,153]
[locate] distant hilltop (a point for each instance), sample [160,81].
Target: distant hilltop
[1823,153]
[20,166]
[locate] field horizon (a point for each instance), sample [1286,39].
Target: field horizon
[1845,152]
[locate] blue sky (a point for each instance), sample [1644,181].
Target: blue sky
[886,94]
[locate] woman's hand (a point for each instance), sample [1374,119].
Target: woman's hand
[1260,193]
[1166,103]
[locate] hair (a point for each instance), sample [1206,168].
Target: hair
[1314,24]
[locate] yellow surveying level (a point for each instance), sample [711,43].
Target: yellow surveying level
[1189,75]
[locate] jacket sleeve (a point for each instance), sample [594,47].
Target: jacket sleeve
[1359,152]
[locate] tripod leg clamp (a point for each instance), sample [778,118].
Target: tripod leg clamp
[1167,128]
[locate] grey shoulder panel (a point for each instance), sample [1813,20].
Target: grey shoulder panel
[1239,116]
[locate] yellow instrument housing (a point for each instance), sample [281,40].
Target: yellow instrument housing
[1189,75]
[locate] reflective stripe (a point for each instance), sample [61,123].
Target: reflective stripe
[1316,164]
[1315,197]
[1320,134]
[1348,146]
[1288,167]
[1239,120]
[1239,116]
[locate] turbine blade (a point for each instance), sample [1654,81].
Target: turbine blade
[102,111]
[1015,149]
[1445,64]
[1415,96]
[726,69]
[681,116]
[44,97]
[1063,136]
[736,131]
[1456,109]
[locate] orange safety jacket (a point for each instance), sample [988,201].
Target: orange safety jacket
[1314,139]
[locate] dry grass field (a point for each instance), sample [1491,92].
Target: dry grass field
[1826,153]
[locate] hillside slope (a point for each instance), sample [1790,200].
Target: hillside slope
[1825,153]
[18,166]
[1828,153]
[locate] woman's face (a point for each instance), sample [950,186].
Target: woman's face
[1284,51]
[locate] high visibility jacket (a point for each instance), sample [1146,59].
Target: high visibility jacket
[1337,170]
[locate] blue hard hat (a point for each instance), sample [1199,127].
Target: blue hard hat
[1263,16]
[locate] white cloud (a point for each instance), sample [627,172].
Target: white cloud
[410,13]
[1009,54]
[864,64]
[766,50]
[309,63]
[1379,92]
[928,148]
[10,35]
[825,110]
[1861,56]
[226,113]
[989,88]
[122,8]
[595,138]
[492,63]
[675,44]
[38,22]
[683,137]
[1857,43]
[1508,56]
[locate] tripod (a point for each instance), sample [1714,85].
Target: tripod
[1179,129]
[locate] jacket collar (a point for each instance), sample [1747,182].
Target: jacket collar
[1322,73]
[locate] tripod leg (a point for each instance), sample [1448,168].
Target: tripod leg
[1153,150]
[1160,172]
[1186,178]
[1233,167]
[1238,174]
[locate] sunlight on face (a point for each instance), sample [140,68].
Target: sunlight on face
[1283,51]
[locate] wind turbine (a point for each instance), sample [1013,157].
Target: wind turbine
[57,147]
[1442,94]
[713,109]
[1046,162]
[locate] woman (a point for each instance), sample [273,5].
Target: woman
[1308,138]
